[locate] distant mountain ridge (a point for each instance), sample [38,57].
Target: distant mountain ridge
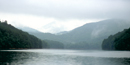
[61,33]
[27,29]
[92,33]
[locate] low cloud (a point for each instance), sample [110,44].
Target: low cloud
[69,9]
[61,15]
[43,24]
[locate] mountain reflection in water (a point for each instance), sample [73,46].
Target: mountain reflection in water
[63,57]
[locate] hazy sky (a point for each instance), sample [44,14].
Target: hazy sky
[61,15]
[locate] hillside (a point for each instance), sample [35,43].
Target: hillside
[91,33]
[119,41]
[95,33]
[13,38]
[54,44]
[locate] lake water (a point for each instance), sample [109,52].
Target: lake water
[63,57]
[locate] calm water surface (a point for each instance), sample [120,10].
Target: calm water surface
[63,57]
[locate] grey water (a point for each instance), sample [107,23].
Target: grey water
[63,57]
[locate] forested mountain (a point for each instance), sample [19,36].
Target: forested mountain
[50,43]
[119,41]
[54,44]
[95,33]
[91,33]
[13,38]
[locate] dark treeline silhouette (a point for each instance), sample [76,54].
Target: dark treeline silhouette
[119,41]
[13,38]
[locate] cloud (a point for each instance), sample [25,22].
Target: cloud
[61,15]
[98,31]
[69,9]
[44,24]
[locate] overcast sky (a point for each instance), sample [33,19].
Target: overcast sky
[61,15]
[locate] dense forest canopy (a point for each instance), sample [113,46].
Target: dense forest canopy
[119,41]
[13,38]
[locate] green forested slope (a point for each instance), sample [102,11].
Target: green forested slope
[13,38]
[119,41]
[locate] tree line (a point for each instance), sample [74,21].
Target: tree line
[13,38]
[119,41]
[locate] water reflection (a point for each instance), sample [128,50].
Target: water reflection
[42,58]
[10,57]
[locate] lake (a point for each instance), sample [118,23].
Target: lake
[63,57]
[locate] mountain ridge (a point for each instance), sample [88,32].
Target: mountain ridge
[92,33]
